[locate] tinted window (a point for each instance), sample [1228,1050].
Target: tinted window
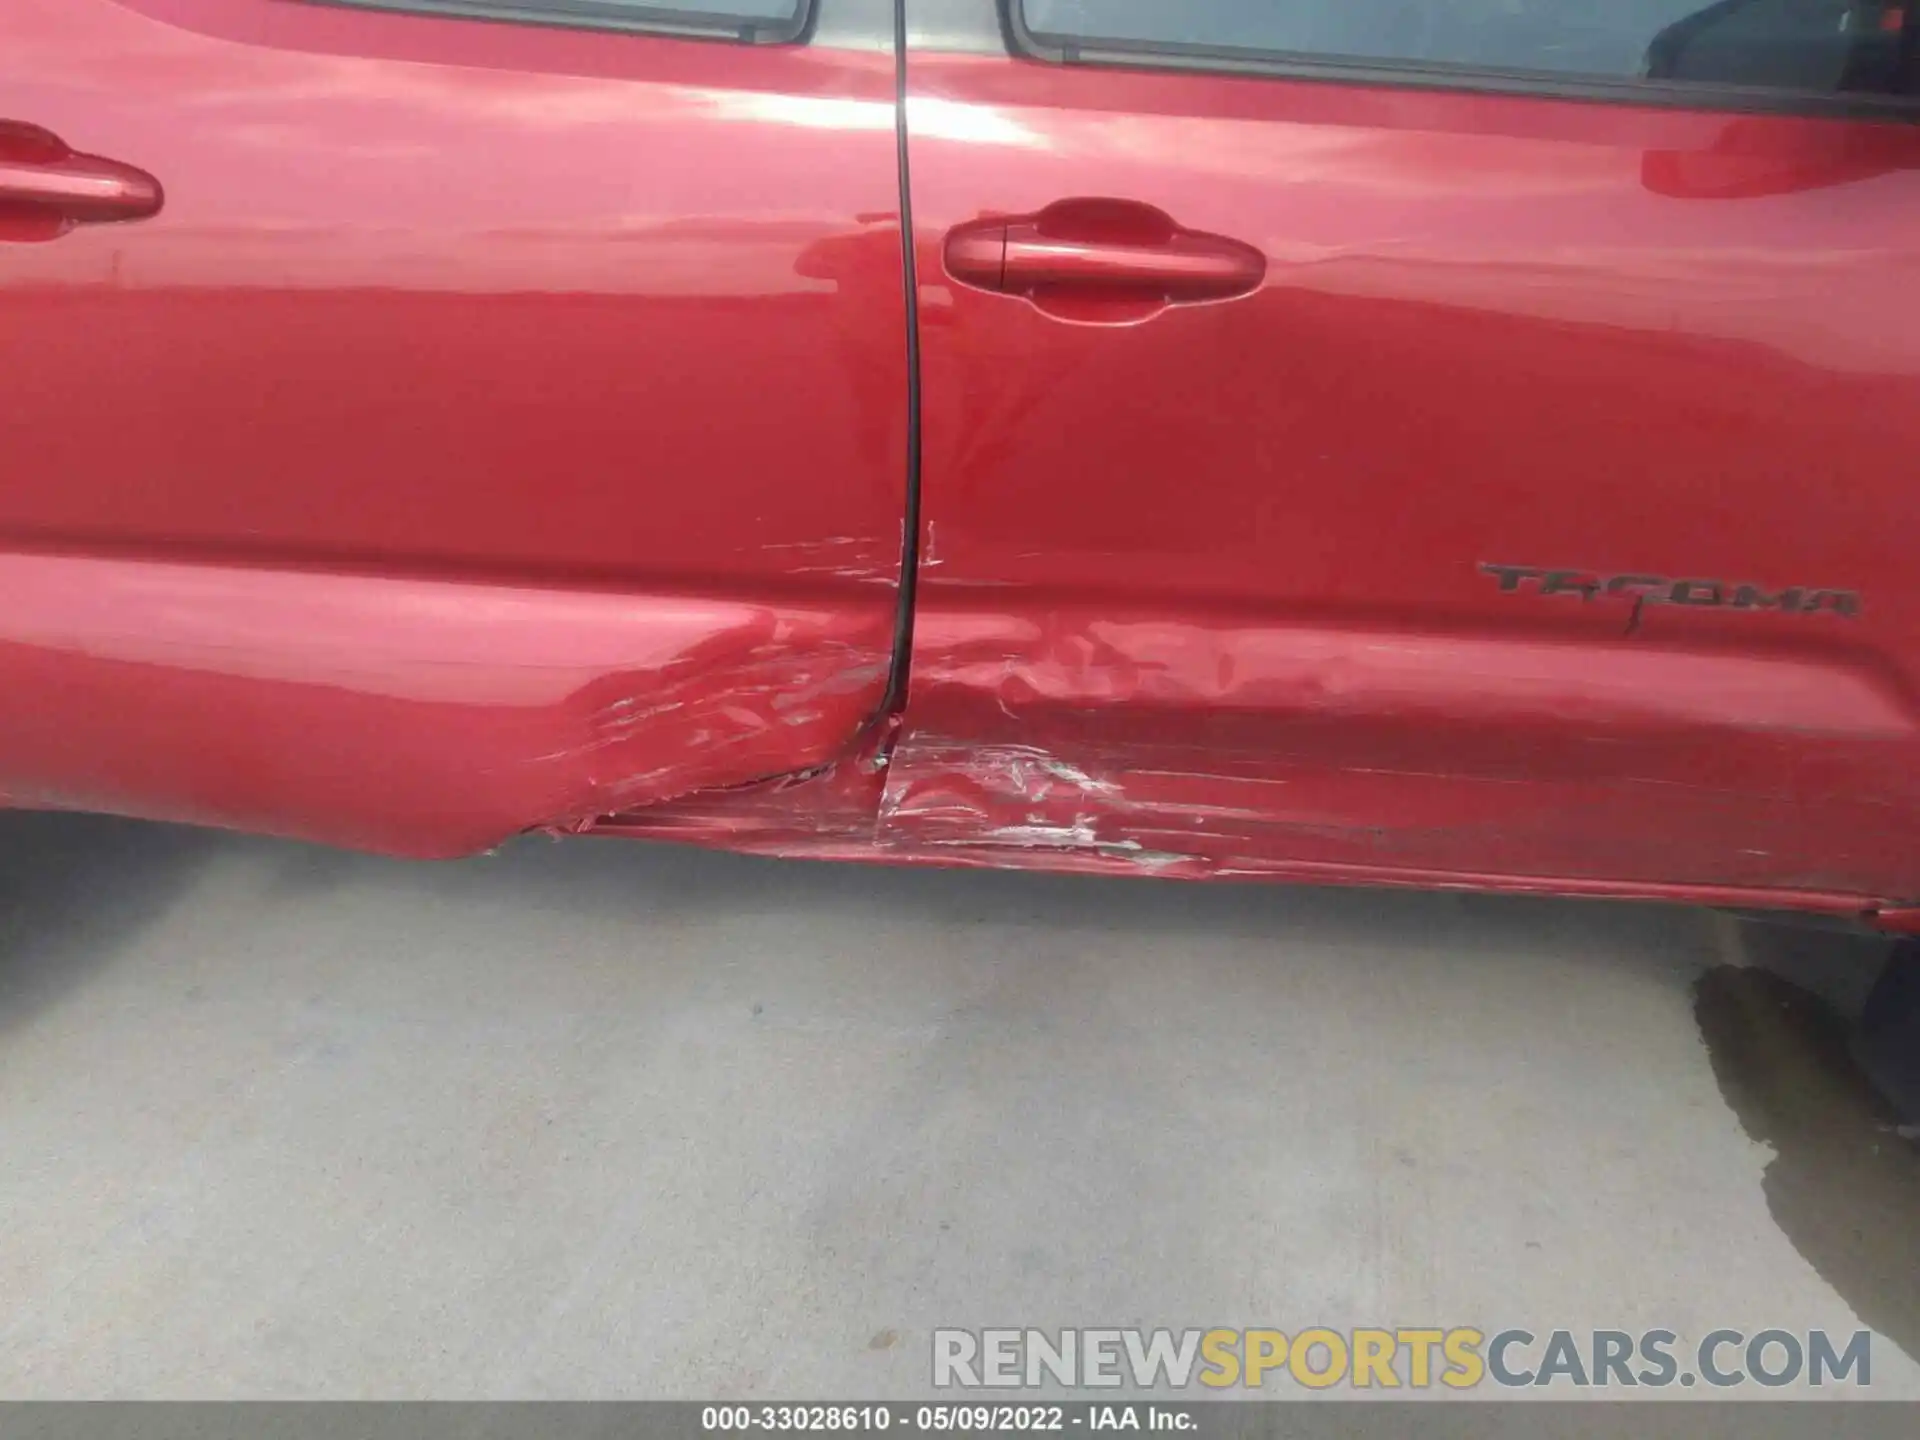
[1815,45]
[750,19]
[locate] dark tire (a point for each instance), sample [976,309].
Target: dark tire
[1888,1040]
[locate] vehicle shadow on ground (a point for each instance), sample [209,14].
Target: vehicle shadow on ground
[1843,1185]
[76,891]
[652,881]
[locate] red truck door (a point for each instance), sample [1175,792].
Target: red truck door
[1455,441]
[421,427]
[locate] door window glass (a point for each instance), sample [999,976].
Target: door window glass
[763,20]
[1822,46]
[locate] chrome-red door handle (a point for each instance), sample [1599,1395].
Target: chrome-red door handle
[82,188]
[42,180]
[1102,260]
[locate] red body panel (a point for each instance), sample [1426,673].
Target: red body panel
[504,427]
[417,717]
[1222,567]
[607,328]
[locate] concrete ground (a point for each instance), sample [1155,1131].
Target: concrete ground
[605,1119]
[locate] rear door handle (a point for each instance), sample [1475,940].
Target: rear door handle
[46,188]
[1112,260]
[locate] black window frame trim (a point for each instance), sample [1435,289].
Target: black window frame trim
[1182,57]
[648,19]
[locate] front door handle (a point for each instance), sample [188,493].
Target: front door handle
[46,188]
[1102,260]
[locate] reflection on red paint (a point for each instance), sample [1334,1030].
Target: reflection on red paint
[499,427]
[504,428]
[1207,599]
[413,717]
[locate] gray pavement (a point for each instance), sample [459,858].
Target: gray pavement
[605,1119]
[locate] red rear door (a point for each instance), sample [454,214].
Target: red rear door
[1444,440]
[497,425]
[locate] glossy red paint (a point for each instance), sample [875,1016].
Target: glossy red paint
[504,427]
[418,717]
[1100,261]
[456,345]
[1214,579]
